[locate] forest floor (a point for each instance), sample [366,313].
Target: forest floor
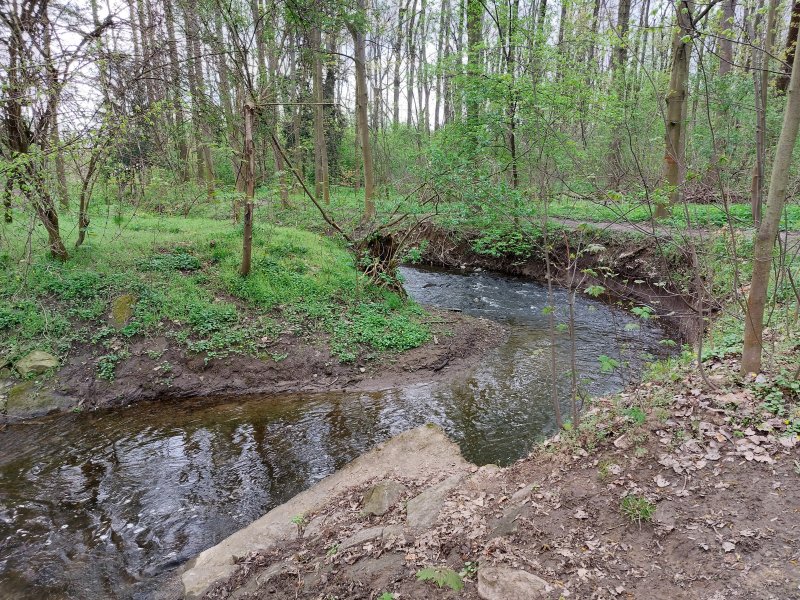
[674,489]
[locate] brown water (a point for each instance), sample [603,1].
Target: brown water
[103,505]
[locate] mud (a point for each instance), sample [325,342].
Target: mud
[457,343]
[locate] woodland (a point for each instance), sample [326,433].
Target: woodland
[210,199]
[367,121]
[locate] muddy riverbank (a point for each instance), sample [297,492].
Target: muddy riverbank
[106,503]
[160,369]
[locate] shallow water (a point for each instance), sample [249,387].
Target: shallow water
[102,505]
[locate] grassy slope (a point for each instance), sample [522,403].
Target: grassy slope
[183,273]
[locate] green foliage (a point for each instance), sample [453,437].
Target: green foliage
[442,577]
[637,508]
[505,242]
[635,414]
[179,261]
[607,364]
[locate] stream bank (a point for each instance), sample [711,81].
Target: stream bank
[145,488]
[159,369]
[633,269]
[659,495]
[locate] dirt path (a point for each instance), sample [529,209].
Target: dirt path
[663,494]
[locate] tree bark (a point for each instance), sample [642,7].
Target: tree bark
[175,92]
[249,187]
[768,230]
[761,86]
[791,46]
[474,39]
[725,42]
[359,43]
[675,138]
[320,146]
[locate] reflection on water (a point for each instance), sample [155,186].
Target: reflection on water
[102,505]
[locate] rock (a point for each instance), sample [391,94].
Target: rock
[507,524]
[523,493]
[423,510]
[361,537]
[504,583]
[665,517]
[122,310]
[36,363]
[5,373]
[377,573]
[382,496]
[413,454]
[29,400]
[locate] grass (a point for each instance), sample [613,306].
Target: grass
[638,509]
[184,275]
[346,206]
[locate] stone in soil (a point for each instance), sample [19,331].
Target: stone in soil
[36,363]
[382,496]
[423,510]
[504,583]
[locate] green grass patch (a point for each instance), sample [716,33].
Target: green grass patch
[183,273]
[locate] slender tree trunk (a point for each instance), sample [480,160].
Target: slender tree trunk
[250,187]
[359,43]
[411,55]
[474,39]
[175,92]
[396,51]
[440,59]
[768,230]
[320,146]
[674,152]
[725,42]
[86,195]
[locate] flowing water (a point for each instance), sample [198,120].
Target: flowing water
[104,504]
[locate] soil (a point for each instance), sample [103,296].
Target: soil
[724,521]
[158,368]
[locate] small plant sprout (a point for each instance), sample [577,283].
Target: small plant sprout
[300,521]
[442,577]
[469,570]
[638,509]
[386,596]
[607,364]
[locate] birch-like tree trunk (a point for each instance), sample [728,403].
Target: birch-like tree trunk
[768,230]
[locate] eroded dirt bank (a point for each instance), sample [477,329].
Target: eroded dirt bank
[672,500]
[158,368]
[634,270]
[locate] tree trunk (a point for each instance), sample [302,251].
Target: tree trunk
[320,146]
[396,58]
[675,138]
[725,42]
[359,43]
[768,230]
[791,46]
[761,84]
[249,187]
[411,55]
[474,37]
[175,92]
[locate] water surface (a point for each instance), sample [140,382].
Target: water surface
[103,505]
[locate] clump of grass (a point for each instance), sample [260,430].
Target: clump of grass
[638,509]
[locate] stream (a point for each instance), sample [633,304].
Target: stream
[106,504]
